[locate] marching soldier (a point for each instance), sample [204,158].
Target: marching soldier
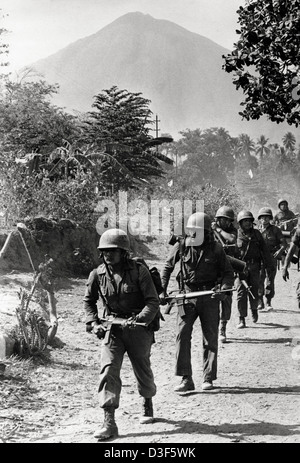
[203,266]
[285,218]
[226,234]
[294,247]
[123,288]
[277,245]
[253,250]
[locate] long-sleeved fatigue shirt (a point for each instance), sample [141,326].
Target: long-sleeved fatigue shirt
[134,295]
[273,237]
[204,265]
[252,247]
[283,216]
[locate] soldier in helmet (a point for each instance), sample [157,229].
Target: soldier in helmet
[293,248]
[226,233]
[203,265]
[285,218]
[122,287]
[277,245]
[253,250]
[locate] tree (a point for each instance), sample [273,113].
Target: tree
[209,156]
[289,142]
[28,120]
[265,60]
[4,48]
[119,127]
[262,148]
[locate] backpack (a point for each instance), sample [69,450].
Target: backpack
[156,278]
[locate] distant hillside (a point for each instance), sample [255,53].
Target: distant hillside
[179,71]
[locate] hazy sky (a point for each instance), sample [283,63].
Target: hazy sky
[39,28]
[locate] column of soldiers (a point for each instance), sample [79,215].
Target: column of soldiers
[215,258]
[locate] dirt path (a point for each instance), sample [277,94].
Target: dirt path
[256,397]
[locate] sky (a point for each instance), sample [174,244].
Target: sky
[39,28]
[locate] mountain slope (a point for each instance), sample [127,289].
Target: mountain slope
[179,71]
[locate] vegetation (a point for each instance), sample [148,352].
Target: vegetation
[265,60]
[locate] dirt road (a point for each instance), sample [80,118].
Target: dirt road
[256,397]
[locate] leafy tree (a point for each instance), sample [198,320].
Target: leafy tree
[265,60]
[28,120]
[209,157]
[119,127]
[4,48]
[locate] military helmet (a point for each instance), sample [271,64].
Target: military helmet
[265,211]
[114,238]
[244,215]
[282,200]
[199,220]
[225,211]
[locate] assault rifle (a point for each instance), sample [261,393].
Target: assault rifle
[244,282]
[111,320]
[237,264]
[192,295]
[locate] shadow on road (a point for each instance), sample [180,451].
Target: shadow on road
[237,431]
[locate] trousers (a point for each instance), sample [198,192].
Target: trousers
[136,342]
[242,295]
[267,282]
[208,311]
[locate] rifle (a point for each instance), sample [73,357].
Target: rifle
[192,295]
[247,288]
[237,264]
[114,320]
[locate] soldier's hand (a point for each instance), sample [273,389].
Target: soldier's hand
[99,330]
[285,274]
[214,225]
[218,295]
[162,298]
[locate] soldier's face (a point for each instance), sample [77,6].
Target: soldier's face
[225,222]
[112,256]
[265,220]
[283,206]
[246,224]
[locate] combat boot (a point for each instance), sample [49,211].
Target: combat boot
[254,316]
[269,307]
[187,384]
[261,304]
[147,412]
[242,323]
[109,428]
[223,331]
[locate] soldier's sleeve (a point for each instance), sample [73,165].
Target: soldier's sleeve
[227,273]
[265,252]
[91,297]
[151,299]
[169,266]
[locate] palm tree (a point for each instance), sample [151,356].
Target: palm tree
[289,142]
[262,148]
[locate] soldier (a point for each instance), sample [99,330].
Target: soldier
[226,234]
[277,245]
[124,288]
[294,246]
[203,265]
[253,250]
[285,218]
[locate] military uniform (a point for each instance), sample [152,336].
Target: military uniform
[134,294]
[283,216]
[121,287]
[274,239]
[203,267]
[253,250]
